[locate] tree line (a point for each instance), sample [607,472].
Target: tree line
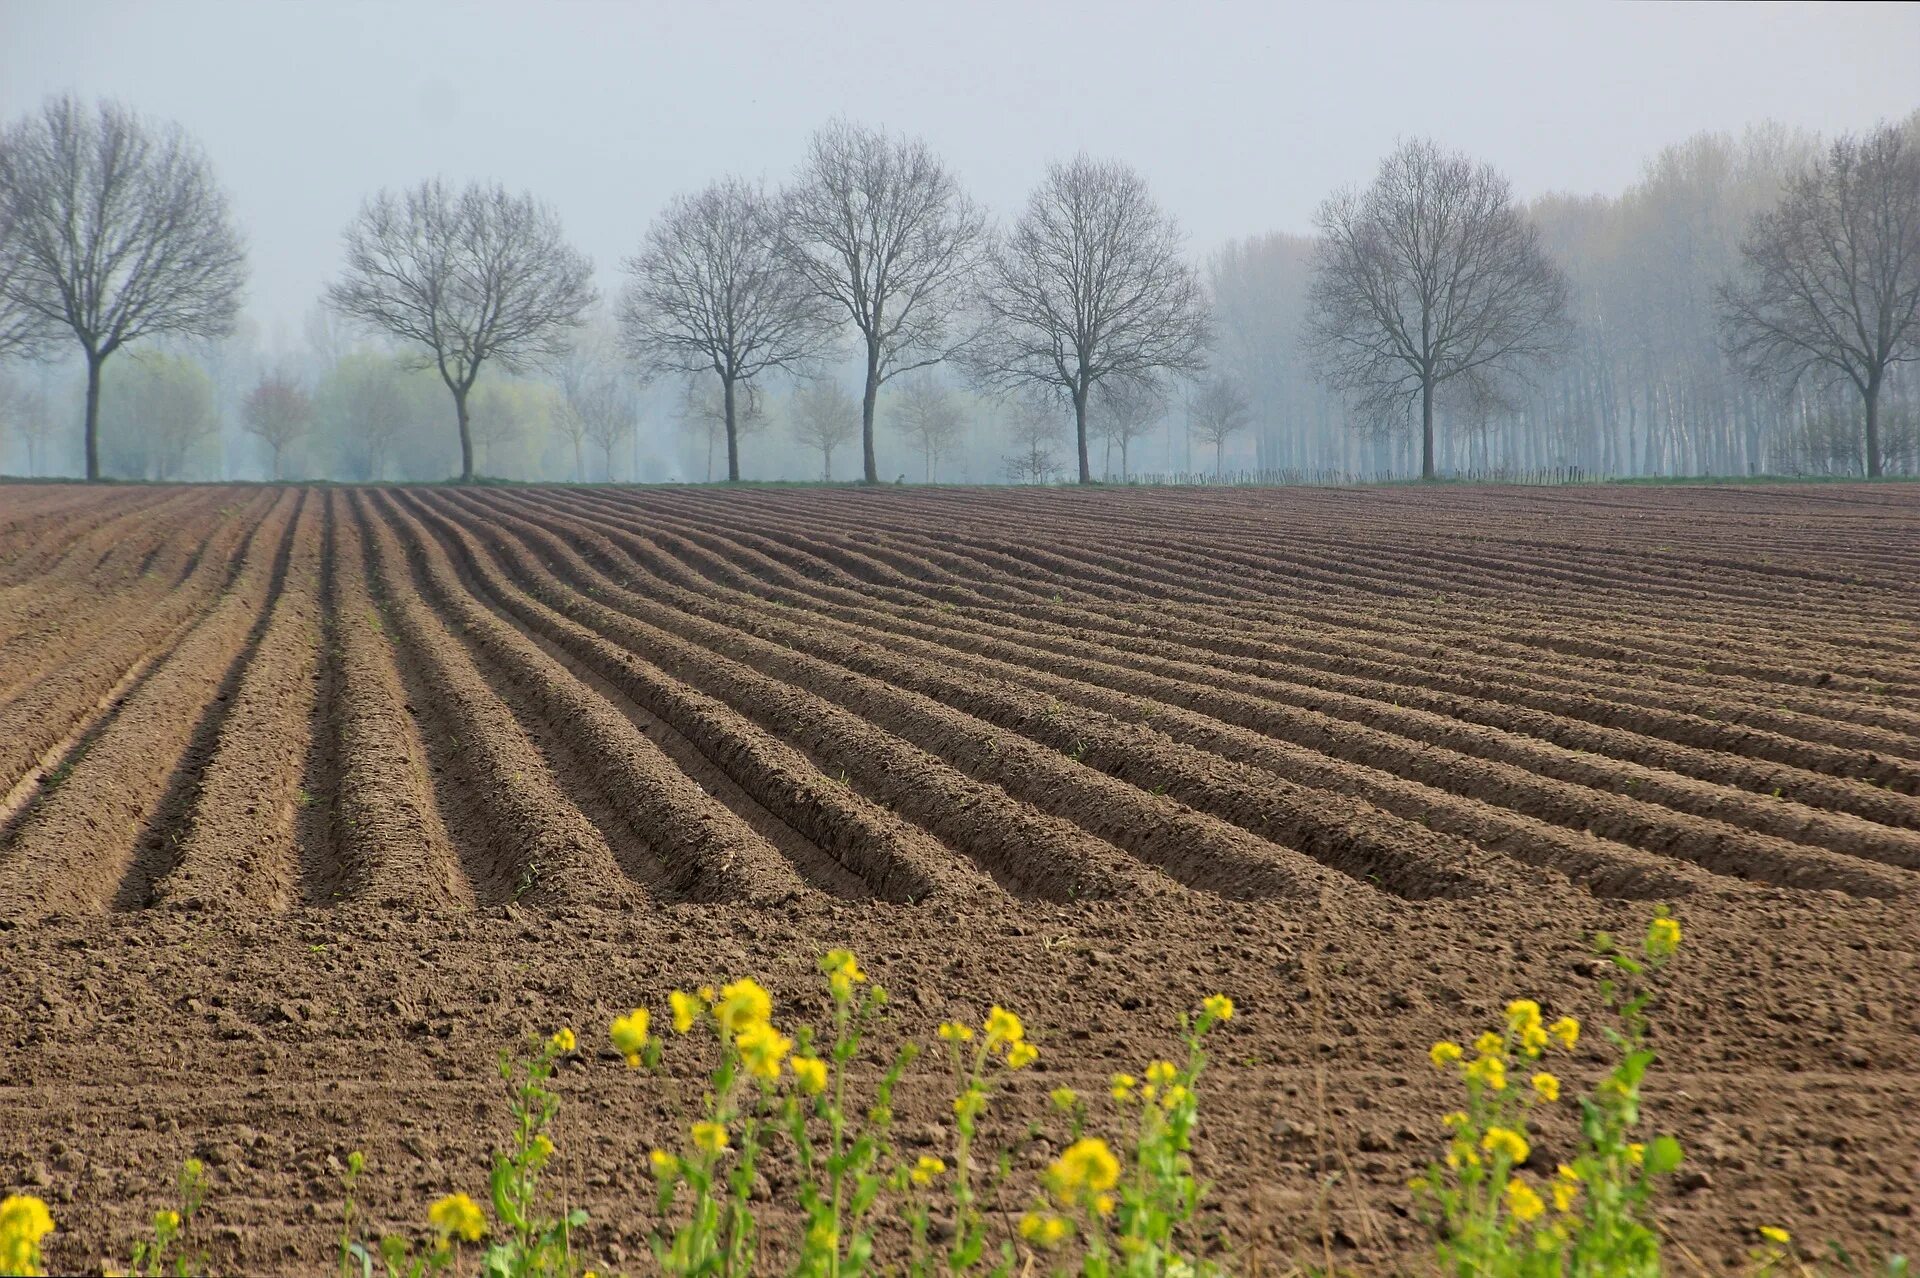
[1723,312]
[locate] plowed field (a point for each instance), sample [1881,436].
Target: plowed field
[311,800]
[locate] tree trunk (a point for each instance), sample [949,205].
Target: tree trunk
[1123,459]
[1426,429]
[93,414]
[826,464]
[733,439]
[466,434]
[579,467]
[1080,431]
[1872,396]
[866,411]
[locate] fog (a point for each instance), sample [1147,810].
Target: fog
[1241,117]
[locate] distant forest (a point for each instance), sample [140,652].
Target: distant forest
[1747,307]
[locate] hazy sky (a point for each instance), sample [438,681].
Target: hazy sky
[1243,115]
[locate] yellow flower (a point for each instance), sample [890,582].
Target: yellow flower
[1021,1055]
[1565,1031]
[1546,1087]
[762,1050]
[542,1149]
[1566,1173]
[1775,1234]
[1490,1072]
[166,1222]
[1104,1204]
[710,1137]
[955,1032]
[1533,1040]
[1505,1141]
[925,1169]
[823,1237]
[562,1041]
[1523,1202]
[743,1004]
[663,1163]
[1063,1097]
[1456,1120]
[686,1010]
[457,1215]
[1160,1073]
[1123,1085]
[629,1034]
[1218,1006]
[1521,1013]
[811,1073]
[1636,1154]
[24,1221]
[1174,1096]
[1444,1053]
[843,963]
[1003,1026]
[843,971]
[1490,1044]
[1663,937]
[1564,1194]
[1088,1165]
[1044,1229]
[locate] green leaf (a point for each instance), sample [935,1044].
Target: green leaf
[1663,1155]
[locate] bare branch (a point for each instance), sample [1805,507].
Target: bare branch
[465,277]
[1831,284]
[111,229]
[710,294]
[881,231]
[1431,273]
[1091,286]
[824,416]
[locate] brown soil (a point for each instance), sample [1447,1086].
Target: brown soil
[312,801]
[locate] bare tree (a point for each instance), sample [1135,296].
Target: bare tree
[157,416]
[1033,431]
[277,412]
[372,407]
[1216,412]
[504,413]
[1832,278]
[607,405]
[1431,273]
[468,277]
[710,294]
[23,411]
[824,417]
[1125,411]
[593,405]
[881,231]
[930,418]
[1091,287]
[706,415]
[113,230]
